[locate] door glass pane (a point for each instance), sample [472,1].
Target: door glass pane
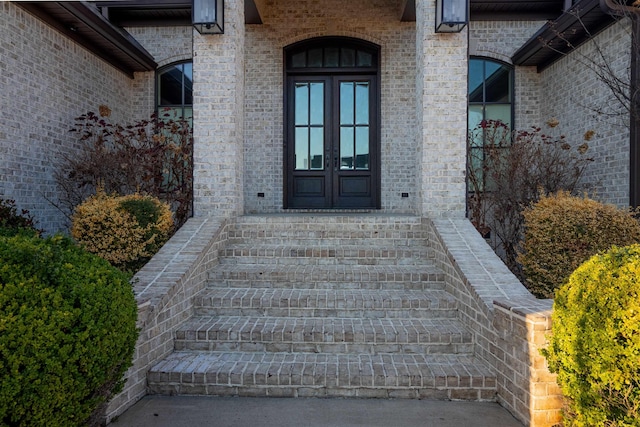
[316,148]
[299,60]
[362,103]
[302,104]
[332,57]
[302,148]
[346,147]
[365,59]
[315,58]
[348,58]
[317,104]
[346,103]
[362,147]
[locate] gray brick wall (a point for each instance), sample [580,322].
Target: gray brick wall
[218,100]
[441,91]
[46,80]
[571,92]
[284,23]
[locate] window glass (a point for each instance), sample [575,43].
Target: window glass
[490,98]
[170,86]
[332,56]
[476,79]
[348,58]
[175,91]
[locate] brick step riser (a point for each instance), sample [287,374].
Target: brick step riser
[315,241]
[328,348]
[329,230]
[426,313]
[324,276]
[325,285]
[279,260]
[323,375]
[305,391]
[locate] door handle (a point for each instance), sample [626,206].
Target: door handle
[335,163]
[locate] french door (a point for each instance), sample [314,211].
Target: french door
[332,149]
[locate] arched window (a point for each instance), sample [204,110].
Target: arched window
[490,92]
[174,88]
[490,101]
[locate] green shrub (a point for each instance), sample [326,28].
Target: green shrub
[563,231]
[12,222]
[67,332]
[125,230]
[595,346]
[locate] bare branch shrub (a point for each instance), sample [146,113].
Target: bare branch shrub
[508,171]
[151,156]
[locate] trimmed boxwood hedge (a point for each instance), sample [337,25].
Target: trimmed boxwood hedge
[67,332]
[595,345]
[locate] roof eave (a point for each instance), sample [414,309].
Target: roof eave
[85,25]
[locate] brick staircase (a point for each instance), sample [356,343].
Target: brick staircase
[325,305]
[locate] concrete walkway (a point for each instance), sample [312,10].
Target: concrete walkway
[164,411]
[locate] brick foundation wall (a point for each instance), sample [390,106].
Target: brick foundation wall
[47,80]
[572,93]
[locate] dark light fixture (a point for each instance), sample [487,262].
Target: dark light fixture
[451,15]
[207,16]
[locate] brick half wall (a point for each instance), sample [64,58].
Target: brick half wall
[510,325]
[164,290]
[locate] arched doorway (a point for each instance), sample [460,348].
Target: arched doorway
[332,147]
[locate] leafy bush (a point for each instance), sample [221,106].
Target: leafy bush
[595,346]
[12,222]
[67,332]
[125,230]
[152,156]
[507,171]
[563,231]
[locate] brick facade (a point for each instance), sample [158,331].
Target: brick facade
[572,93]
[47,80]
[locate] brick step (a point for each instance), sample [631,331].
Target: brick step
[415,376]
[323,254]
[361,303]
[324,335]
[372,230]
[316,239]
[331,221]
[419,277]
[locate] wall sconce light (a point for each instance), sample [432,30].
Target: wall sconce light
[451,15]
[207,16]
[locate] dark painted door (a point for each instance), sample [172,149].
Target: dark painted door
[332,149]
